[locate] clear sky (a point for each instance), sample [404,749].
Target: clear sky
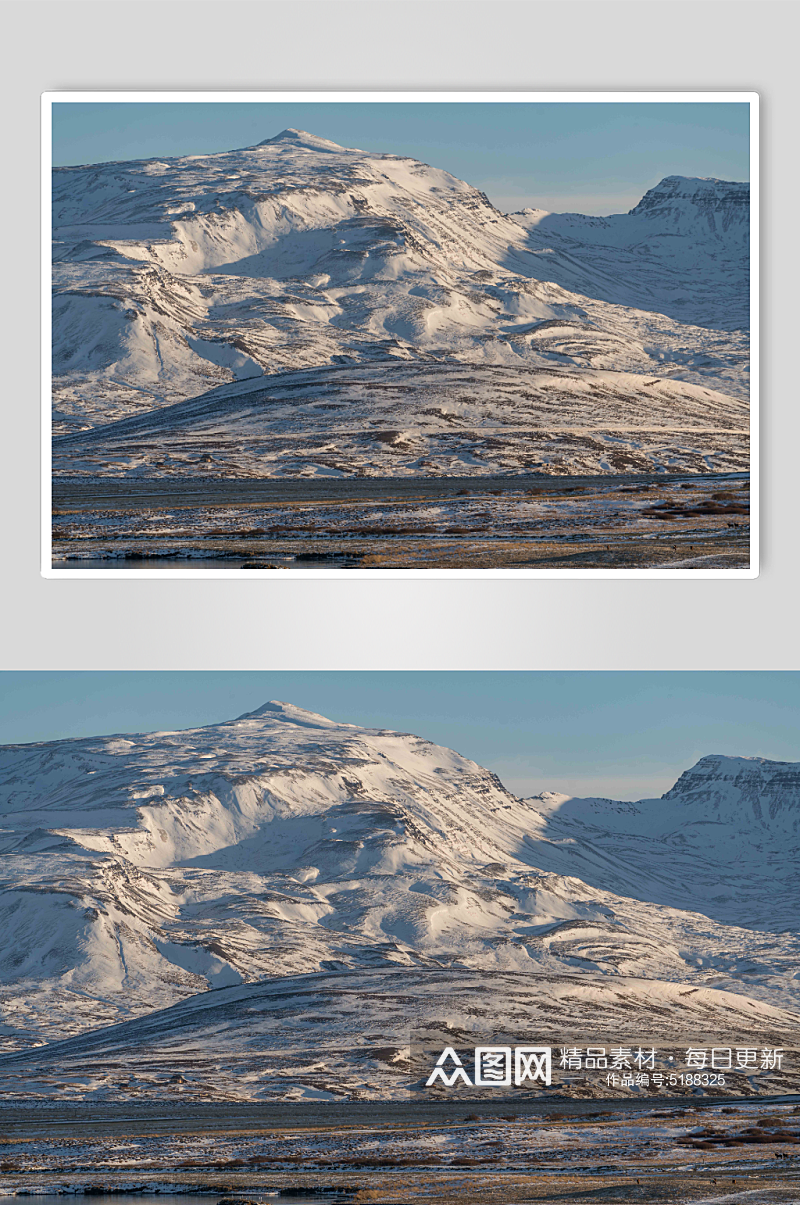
[618,734]
[594,158]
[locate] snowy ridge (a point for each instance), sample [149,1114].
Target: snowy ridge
[141,870]
[173,277]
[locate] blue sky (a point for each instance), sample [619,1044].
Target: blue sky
[617,734]
[586,157]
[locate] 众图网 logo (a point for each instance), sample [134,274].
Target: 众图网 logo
[494,1067]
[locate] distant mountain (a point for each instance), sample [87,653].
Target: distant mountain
[680,216]
[723,841]
[746,791]
[736,795]
[173,277]
[700,209]
[141,870]
[684,250]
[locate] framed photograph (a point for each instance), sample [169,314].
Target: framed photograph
[391,937]
[400,334]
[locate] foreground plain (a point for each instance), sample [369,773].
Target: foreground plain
[509,1151]
[631,521]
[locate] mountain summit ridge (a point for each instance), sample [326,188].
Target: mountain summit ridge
[304,138]
[289,712]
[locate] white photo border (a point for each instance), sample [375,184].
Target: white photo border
[49,99]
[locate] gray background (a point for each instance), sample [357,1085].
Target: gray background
[568,45]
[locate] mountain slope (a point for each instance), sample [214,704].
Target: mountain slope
[412,419]
[141,870]
[376,1034]
[173,277]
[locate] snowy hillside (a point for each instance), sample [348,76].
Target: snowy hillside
[341,1035]
[412,419]
[142,870]
[174,277]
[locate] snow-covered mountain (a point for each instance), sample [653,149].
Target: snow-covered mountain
[723,841]
[141,870]
[174,277]
[683,250]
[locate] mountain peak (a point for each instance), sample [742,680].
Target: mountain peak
[288,713]
[698,189]
[302,138]
[733,778]
[712,763]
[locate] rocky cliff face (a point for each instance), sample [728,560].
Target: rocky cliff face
[752,777]
[699,208]
[748,792]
